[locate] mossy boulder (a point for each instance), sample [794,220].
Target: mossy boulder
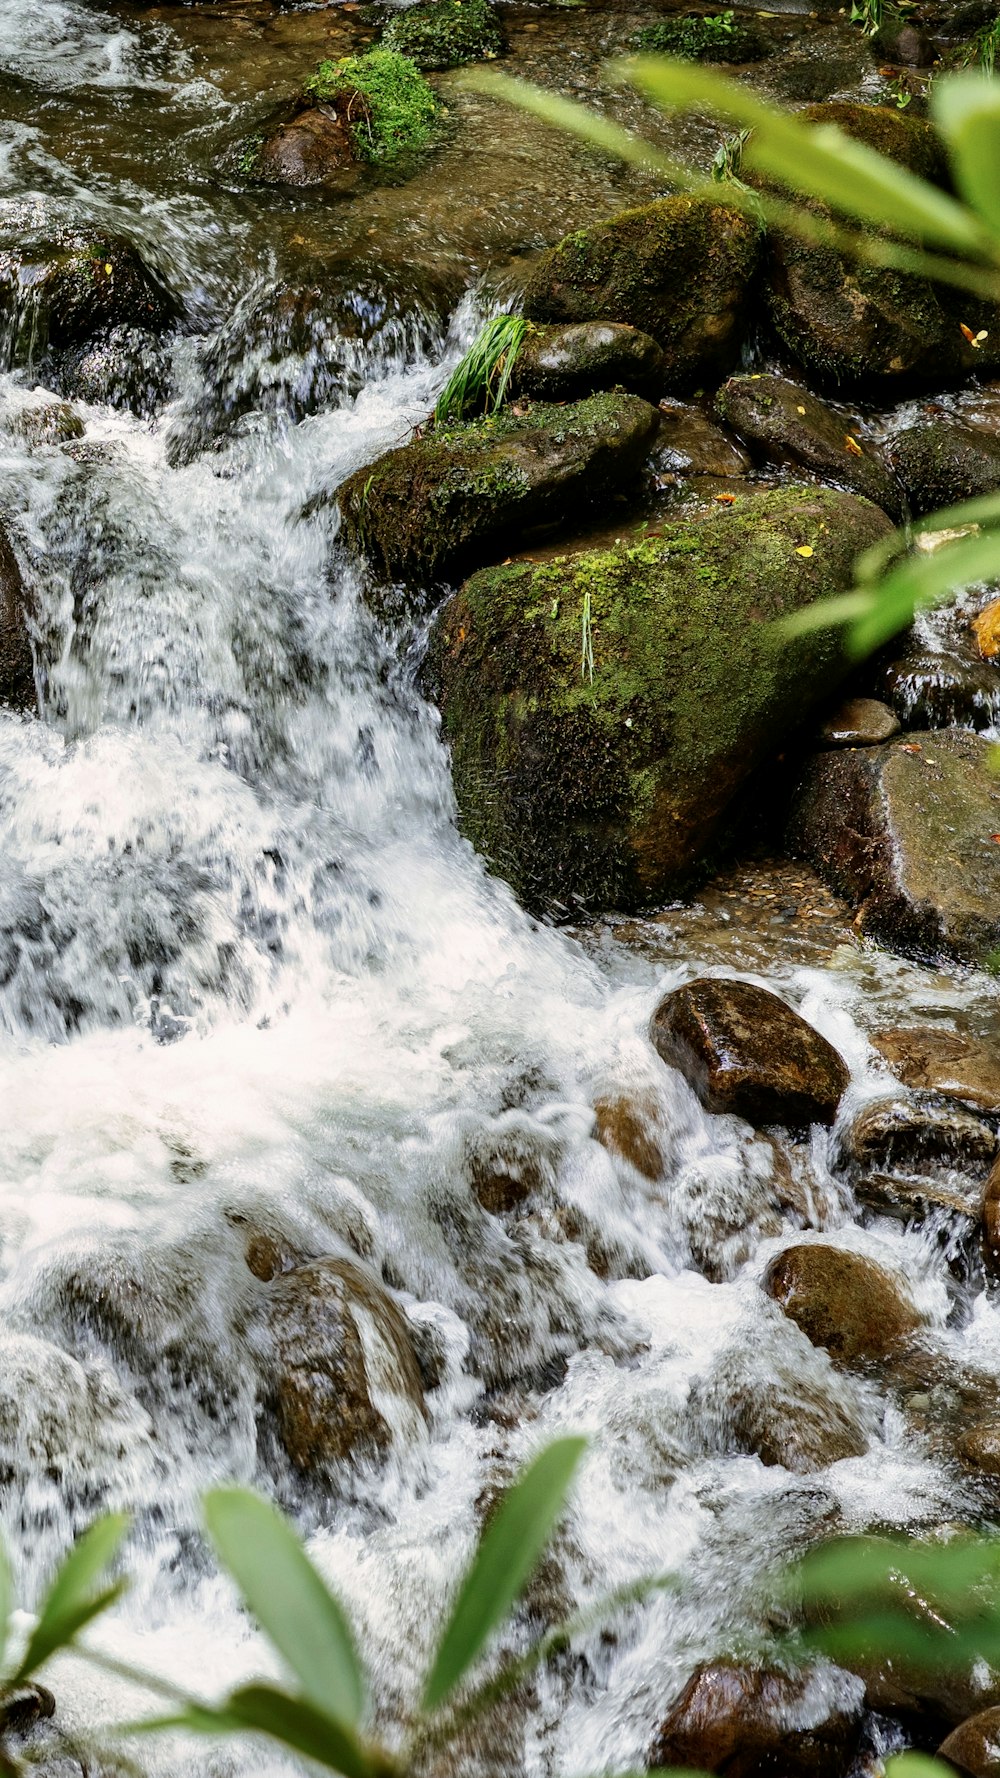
[446,33]
[940,462]
[376,107]
[17,675]
[784,423]
[604,708]
[859,325]
[705,37]
[564,363]
[679,269]
[63,284]
[469,492]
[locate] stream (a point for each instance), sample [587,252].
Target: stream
[252,977]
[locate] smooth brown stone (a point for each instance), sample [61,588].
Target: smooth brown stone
[749,1722]
[852,1307]
[949,1062]
[858,722]
[974,1747]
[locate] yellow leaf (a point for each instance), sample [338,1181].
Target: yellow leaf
[804,549]
[800,410]
[109,269]
[986,629]
[853,445]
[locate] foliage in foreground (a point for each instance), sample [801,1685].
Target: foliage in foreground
[392,109]
[883,215]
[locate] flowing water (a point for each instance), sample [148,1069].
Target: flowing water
[251,974]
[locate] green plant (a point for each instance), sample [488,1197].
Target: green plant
[387,104]
[692,37]
[877,212]
[982,49]
[727,162]
[480,379]
[867,14]
[445,33]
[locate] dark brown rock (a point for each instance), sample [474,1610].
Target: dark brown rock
[312,147]
[905,45]
[782,422]
[858,722]
[17,673]
[753,1722]
[61,285]
[940,462]
[991,1222]
[908,834]
[930,688]
[855,1309]
[338,1345]
[979,1447]
[628,1127]
[920,1131]
[563,363]
[958,1065]
[691,444]
[974,1747]
[791,1421]
[745,1051]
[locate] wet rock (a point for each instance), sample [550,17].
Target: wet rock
[857,1310]
[748,1722]
[858,722]
[991,1222]
[746,1052]
[679,269]
[974,1747]
[979,1447]
[124,368]
[860,326]
[62,285]
[928,688]
[905,45]
[628,1127]
[940,462]
[907,833]
[788,1419]
[784,423]
[956,1064]
[985,628]
[468,492]
[446,33]
[689,443]
[919,1131]
[565,363]
[609,790]
[17,672]
[342,1372]
[310,145]
[50,423]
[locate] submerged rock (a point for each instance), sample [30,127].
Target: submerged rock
[123,368]
[691,444]
[855,1309]
[468,492]
[565,363]
[782,1413]
[948,688]
[956,1064]
[746,1052]
[748,1722]
[940,462]
[48,423]
[785,423]
[908,834]
[17,672]
[604,708]
[679,269]
[919,1131]
[309,144]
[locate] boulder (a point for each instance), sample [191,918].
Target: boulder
[947,688]
[467,493]
[679,269]
[565,363]
[122,368]
[907,833]
[857,1310]
[62,284]
[955,1064]
[340,1366]
[446,33]
[46,423]
[691,444]
[974,1747]
[940,462]
[17,672]
[979,1448]
[783,423]
[919,1131]
[904,45]
[991,1222]
[864,326]
[750,1722]
[858,722]
[787,1419]
[309,144]
[604,708]
[746,1052]
[628,1128]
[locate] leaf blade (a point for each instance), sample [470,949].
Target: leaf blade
[70,1602]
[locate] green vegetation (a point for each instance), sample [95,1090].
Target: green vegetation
[388,105]
[445,33]
[869,14]
[479,382]
[714,37]
[982,49]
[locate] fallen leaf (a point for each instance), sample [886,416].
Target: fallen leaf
[726,499]
[804,549]
[974,339]
[853,445]
[800,410]
[986,629]
[911,747]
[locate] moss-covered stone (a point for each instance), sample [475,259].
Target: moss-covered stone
[446,33]
[679,269]
[563,363]
[857,325]
[389,108]
[705,37]
[940,462]
[469,492]
[783,422]
[603,708]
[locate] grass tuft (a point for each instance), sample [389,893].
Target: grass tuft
[480,380]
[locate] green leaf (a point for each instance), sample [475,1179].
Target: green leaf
[70,1602]
[817,159]
[917,1765]
[966,109]
[264,1710]
[290,1601]
[6,1599]
[507,1553]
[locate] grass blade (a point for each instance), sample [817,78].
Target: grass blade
[71,1602]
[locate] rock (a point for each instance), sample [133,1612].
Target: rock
[749,1722]
[341,1369]
[956,1064]
[690,444]
[986,630]
[941,462]
[946,689]
[17,671]
[905,45]
[784,423]
[609,791]
[788,1420]
[748,1053]
[858,722]
[62,285]
[991,1222]
[565,363]
[859,1312]
[712,37]
[469,492]
[628,1127]
[980,1449]
[309,144]
[446,33]
[679,269]
[375,107]
[861,326]
[907,833]
[919,1131]
[50,423]
[974,1747]
[124,368]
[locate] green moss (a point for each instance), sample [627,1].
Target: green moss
[714,37]
[445,33]
[390,108]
